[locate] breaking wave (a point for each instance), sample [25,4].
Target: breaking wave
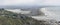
[47,12]
[51,13]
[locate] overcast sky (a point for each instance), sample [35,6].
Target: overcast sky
[30,2]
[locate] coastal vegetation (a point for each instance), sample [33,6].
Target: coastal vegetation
[10,18]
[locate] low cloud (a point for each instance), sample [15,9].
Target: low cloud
[29,2]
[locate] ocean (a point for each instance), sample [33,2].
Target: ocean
[50,13]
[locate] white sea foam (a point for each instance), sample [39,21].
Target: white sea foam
[51,13]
